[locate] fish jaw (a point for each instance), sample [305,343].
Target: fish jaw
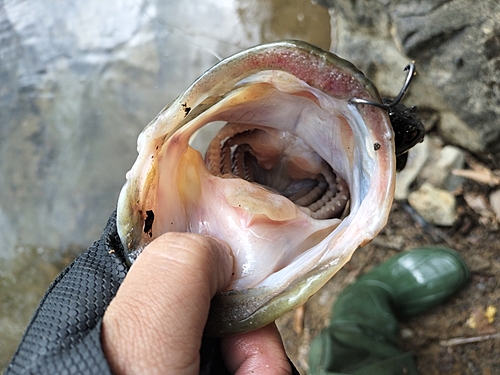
[295,93]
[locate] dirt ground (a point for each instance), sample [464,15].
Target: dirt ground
[426,335]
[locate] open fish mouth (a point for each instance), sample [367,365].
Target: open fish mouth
[295,180]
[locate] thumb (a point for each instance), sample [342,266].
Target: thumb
[256,352]
[155,322]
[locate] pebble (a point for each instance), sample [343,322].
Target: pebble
[436,206]
[495,203]
[407,333]
[417,157]
[390,242]
[438,171]
[477,263]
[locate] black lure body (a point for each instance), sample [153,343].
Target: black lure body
[408,131]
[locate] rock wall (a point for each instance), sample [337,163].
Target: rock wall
[456,47]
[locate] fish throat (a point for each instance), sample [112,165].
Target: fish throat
[282,163]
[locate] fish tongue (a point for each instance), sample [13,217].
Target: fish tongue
[257,200]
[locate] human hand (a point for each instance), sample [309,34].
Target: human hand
[155,323]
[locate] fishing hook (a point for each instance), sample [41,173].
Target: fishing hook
[387,106]
[407,126]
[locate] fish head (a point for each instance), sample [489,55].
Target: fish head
[295,177]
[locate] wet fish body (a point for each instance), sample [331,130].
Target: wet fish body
[295,181]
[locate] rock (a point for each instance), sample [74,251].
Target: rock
[458,132]
[486,211]
[456,47]
[417,157]
[438,172]
[495,203]
[407,333]
[390,242]
[479,205]
[477,263]
[436,206]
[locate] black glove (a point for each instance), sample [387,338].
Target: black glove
[64,335]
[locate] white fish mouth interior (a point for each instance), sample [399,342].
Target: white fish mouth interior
[288,128]
[274,241]
[271,246]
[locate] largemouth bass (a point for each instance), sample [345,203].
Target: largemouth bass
[299,176]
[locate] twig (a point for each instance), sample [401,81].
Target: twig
[479,173]
[468,340]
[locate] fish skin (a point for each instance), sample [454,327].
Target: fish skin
[246,309]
